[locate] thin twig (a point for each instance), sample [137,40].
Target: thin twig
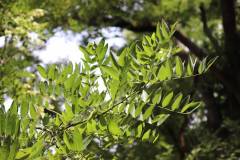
[180,113]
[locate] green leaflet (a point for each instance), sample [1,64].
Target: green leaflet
[69,68]
[158,33]
[113,86]
[43,86]
[101,51]
[157,97]
[36,149]
[23,153]
[179,67]
[121,108]
[155,139]
[162,74]
[24,107]
[121,58]
[33,112]
[177,101]
[139,108]
[77,140]
[139,130]
[69,82]
[192,105]
[165,30]
[52,72]
[148,112]
[202,66]
[68,114]
[85,53]
[167,99]
[165,72]
[111,72]
[146,135]
[114,61]
[159,119]
[16,128]
[134,63]
[153,37]
[14,108]
[10,124]
[114,128]
[22,74]
[91,126]
[148,50]
[13,149]
[42,71]
[66,141]
[169,68]
[190,67]
[131,110]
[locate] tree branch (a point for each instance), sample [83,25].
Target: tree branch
[97,115]
[181,138]
[150,27]
[200,53]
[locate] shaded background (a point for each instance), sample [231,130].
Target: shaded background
[33,32]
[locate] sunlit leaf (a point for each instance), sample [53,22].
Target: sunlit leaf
[179,67]
[114,128]
[148,112]
[192,106]
[111,72]
[146,135]
[177,102]
[167,99]
[121,58]
[42,71]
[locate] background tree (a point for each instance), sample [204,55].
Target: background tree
[206,28]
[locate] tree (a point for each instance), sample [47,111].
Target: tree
[215,32]
[219,89]
[135,102]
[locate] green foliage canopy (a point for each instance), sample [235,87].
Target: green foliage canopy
[136,100]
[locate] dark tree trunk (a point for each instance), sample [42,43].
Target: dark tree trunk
[231,36]
[232,52]
[214,117]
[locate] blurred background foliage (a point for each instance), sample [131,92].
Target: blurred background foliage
[205,28]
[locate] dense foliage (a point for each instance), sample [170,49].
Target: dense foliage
[143,112]
[137,99]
